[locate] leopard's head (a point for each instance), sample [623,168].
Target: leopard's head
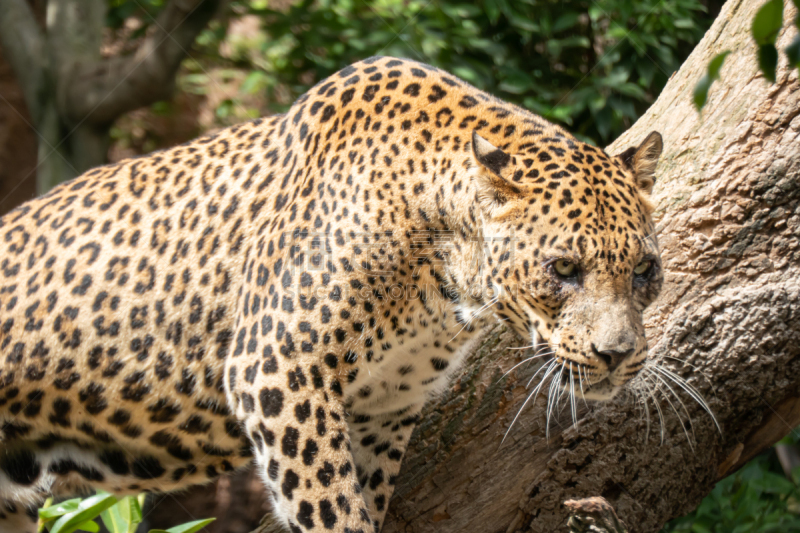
[570,258]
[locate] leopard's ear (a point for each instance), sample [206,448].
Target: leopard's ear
[642,161]
[492,188]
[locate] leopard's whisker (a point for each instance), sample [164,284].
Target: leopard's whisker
[526,360]
[528,384]
[676,396]
[694,367]
[572,397]
[580,380]
[552,398]
[658,407]
[677,414]
[694,393]
[553,367]
[533,345]
[533,394]
[474,316]
[563,388]
[646,408]
[549,405]
[656,231]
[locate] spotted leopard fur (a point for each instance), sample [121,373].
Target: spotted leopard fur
[293,289]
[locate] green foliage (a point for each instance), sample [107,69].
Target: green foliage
[595,66]
[766,26]
[701,89]
[756,499]
[79,513]
[118,516]
[124,516]
[768,22]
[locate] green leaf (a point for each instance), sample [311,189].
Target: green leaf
[123,517]
[113,520]
[516,84]
[89,526]
[254,81]
[59,509]
[701,89]
[716,64]
[768,61]
[88,509]
[191,527]
[565,21]
[793,51]
[768,22]
[492,11]
[631,89]
[525,25]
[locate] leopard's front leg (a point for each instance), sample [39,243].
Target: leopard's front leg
[379,443]
[292,411]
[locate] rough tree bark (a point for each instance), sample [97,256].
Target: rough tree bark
[728,321]
[72,93]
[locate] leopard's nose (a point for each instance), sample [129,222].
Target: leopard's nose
[613,357]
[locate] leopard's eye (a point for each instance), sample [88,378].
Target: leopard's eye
[565,269]
[642,268]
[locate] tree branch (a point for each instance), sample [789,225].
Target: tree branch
[100,92]
[23,46]
[74,32]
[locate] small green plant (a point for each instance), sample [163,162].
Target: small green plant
[119,516]
[757,499]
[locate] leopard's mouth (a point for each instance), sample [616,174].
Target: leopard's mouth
[575,377]
[602,390]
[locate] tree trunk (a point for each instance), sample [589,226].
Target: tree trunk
[18,142]
[72,93]
[728,321]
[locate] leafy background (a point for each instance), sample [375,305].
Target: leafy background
[762,497]
[593,66]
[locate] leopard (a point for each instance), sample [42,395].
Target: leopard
[291,291]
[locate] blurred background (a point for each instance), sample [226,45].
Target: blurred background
[592,66]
